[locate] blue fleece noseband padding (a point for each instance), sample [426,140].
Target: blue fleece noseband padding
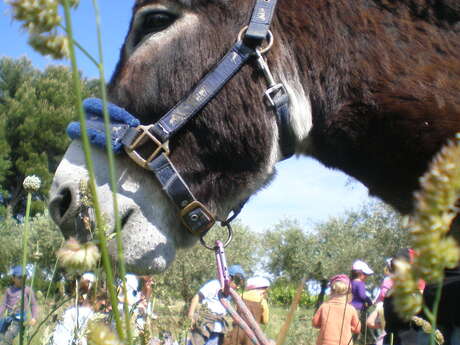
[120,122]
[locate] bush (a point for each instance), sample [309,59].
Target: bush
[283,294]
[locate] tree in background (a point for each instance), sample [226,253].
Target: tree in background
[45,239]
[35,108]
[289,249]
[372,234]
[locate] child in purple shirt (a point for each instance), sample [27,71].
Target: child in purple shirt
[360,272]
[12,304]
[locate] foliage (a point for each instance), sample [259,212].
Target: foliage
[35,108]
[288,249]
[372,233]
[193,267]
[45,239]
[282,293]
[301,331]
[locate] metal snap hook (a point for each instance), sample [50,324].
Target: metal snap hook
[261,50]
[227,241]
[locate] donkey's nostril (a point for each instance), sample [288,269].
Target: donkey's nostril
[62,205]
[66,199]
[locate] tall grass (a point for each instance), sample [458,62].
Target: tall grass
[431,207]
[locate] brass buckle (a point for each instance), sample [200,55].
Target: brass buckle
[191,207]
[141,139]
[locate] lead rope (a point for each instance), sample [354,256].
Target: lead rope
[246,320]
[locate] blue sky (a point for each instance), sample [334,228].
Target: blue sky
[303,189]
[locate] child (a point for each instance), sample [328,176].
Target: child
[255,298]
[72,327]
[12,304]
[337,319]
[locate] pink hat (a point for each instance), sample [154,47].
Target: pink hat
[340,277]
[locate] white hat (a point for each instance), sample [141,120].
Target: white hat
[89,277]
[388,261]
[257,283]
[360,265]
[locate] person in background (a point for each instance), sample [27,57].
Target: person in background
[387,282]
[132,292]
[360,271]
[87,281]
[400,331]
[72,327]
[376,320]
[145,306]
[336,318]
[209,326]
[12,305]
[255,298]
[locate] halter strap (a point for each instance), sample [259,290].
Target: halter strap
[261,19]
[204,92]
[127,134]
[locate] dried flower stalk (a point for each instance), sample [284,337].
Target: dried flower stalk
[78,257]
[429,227]
[41,19]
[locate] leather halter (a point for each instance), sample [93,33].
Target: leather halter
[128,135]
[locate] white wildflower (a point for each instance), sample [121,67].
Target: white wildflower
[31,183]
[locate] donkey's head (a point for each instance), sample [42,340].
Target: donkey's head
[224,154]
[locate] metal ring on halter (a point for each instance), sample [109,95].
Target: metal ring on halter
[262,50]
[226,243]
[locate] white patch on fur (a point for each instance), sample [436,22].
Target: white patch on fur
[300,106]
[275,151]
[152,232]
[300,111]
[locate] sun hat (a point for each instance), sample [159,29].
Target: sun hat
[234,270]
[257,283]
[360,265]
[340,277]
[16,271]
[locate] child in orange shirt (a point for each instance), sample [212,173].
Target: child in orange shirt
[337,319]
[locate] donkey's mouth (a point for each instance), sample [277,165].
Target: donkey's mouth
[74,219]
[125,217]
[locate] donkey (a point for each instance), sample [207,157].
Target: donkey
[373,87]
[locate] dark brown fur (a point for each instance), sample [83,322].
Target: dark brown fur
[383,78]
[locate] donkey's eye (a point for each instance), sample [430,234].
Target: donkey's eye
[157,21]
[151,23]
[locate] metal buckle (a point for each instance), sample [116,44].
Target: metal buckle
[141,139]
[195,205]
[270,93]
